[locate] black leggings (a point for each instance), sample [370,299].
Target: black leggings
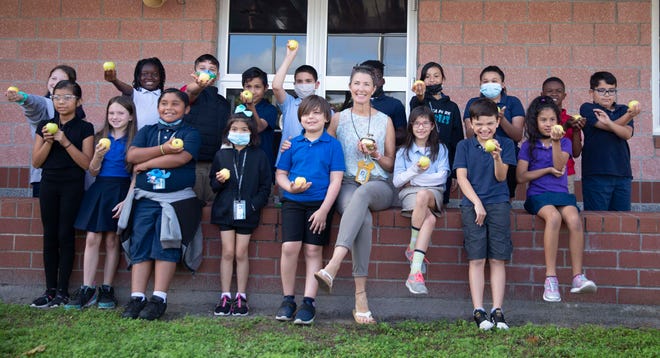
[59,202]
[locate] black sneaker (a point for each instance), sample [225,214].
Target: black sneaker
[107,298]
[223,308]
[43,300]
[83,297]
[306,313]
[60,300]
[497,318]
[154,309]
[286,311]
[240,306]
[133,308]
[481,318]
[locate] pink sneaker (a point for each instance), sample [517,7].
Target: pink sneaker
[581,284]
[551,291]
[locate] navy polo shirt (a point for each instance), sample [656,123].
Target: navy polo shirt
[181,177]
[481,169]
[514,108]
[314,161]
[268,112]
[603,152]
[393,108]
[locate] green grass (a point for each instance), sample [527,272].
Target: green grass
[26,331]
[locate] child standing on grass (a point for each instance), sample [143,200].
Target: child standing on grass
[447,116]
[103,201]
[163,156]
[421,169]
[307,207]
[64,156]
[148,84]
[241,178]
[542,163]
[481,170]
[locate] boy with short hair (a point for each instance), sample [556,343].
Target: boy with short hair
[555,88]
[265,114]
[306,82]
[307,205]
[606,170]
[485,208]
[209,111]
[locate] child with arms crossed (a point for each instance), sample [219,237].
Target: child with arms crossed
[241,178]
[103,201]
[481,166]
[307,204]
[542,163]
[421,169]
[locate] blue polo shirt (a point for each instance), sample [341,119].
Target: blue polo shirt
[268,112]
[514,108]
[114,161]
[156,134]
[481,169]
[393,108]
[603,152]
[291,126]
[314,161]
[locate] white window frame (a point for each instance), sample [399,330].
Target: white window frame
[316,48]
[655,61]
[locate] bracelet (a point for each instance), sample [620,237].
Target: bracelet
[162,152]
[68,145]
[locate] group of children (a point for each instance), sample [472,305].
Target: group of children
[157,145]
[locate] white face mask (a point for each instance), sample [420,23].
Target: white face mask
[491,89]
[304,89]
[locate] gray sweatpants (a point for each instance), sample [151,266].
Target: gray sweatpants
[355,203]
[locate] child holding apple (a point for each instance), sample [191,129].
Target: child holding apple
[162,213]
[310,174]
[148,84]
[241,178]
[481,173]
[447,116]
[542,163]
[421,169]
[102,203]
[63,148]
[510,110]
[255,85]
[606,170]
[39,108]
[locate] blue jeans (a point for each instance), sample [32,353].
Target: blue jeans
[606,193]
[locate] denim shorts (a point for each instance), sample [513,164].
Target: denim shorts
[492,240]
[145,239]
[296,225]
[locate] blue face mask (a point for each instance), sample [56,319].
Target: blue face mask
[491,89]
[239,138]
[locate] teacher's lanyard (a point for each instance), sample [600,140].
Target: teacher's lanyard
[239,175]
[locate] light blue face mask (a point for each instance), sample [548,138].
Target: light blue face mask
[491,89]
[239,138]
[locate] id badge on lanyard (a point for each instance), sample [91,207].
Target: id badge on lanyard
[240,207]
[364,171]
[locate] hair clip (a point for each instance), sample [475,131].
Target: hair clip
[242,109]
[542,100]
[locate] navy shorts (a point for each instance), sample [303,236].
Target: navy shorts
[534,203]
[145,239]
[492,240]
[296,225]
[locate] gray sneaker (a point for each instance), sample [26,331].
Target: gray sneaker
[415,284]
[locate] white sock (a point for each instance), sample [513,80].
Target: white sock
[161,294]
[228,294]
[242,294]
[138,294]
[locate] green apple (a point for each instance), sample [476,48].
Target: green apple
[52,128]
[108,66]
[177,143]
[490,146]
[424,162]
[300,181]
[105,142]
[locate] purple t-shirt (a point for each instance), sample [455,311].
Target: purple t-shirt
[543,159]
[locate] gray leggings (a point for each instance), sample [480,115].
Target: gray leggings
[354,203]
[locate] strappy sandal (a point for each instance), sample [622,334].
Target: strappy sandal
[362,317]
[325,280]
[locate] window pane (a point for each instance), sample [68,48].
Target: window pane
[344,52]
[367,16]
[394,55]
[268,16]
[263,51]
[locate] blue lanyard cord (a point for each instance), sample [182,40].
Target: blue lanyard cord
[240,175]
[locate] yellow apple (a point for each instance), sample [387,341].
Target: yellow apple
[424,162]
[12,89]
[105,142]
[558,128]
[633,103]
[225,173]
[300,181]
[108,66]
[177,143]
[369,143]
[292,44]
[204,77]
[52,128]
[247,96]
[576,117]
[417,84]
[490,146]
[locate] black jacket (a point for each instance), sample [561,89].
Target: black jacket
[209,115]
